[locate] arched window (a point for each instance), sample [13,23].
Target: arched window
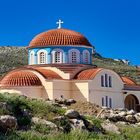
[31,58]
[107,101]
[106,81]
[42,58]
[86,56]
[57,56]
[74,56]
[42,54]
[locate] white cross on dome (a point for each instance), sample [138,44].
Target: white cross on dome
[59,23]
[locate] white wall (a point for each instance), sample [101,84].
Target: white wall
[96,91]
[29,91]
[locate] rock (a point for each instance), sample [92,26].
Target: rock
[104,107]
[7,122]
[36,120]
[121,123]
[137,117]
[64,107]
[71,101]
[110,127]
[138,124]
[131,118]
[59,118]
[60,101]
[72,114]
[77,123]
[130,112]
[116,117]
[121,109]
[123,113]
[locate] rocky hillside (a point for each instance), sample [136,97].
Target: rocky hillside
[11,57]
[22,118]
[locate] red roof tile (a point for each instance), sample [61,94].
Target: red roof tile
[59,37]
[20,78]
[87,74]
[128,81]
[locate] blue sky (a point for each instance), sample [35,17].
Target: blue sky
[112,26]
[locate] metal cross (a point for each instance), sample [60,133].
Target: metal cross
[59,23]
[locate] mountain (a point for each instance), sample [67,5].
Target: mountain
[12,57]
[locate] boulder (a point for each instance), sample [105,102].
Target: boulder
[116,117]
[122,113]
[110,127]
[58,118]
[36,120]
[131,118]
[7,122]
[72,114]
[138,124]
[77,123]
[121,123]
[137,117]
[130,112]
[71,101]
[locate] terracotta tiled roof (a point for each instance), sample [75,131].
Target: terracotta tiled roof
[20,78]
[132,87]
[128,81]
[88,74]
[48,74]
[59,37]
[72,69]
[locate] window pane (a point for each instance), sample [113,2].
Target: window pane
[102,81]
[106,100]
[57,57]
[103,101]
[74,57]
[42,58]
[106,80]
[110,102]
[110,81]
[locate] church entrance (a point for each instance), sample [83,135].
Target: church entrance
[131,102]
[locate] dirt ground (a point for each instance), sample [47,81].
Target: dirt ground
[86,108]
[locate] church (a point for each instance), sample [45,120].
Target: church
[60,66]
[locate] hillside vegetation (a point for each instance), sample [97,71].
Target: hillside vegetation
[12,57]
[45,120]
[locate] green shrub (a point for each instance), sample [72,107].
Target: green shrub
[95,121]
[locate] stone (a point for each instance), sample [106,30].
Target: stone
[64,107]
[110,127]
[121,109]
[77,123]
[138,124]
[121,123]
[131,118]
[130,112]
[137,117]
[59,118]
[36,120]
[123,113]
[7,122]
[104,107]
[72,114]
[71,101]
[116,117]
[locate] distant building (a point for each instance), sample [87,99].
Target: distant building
[125,61]
[60,65]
